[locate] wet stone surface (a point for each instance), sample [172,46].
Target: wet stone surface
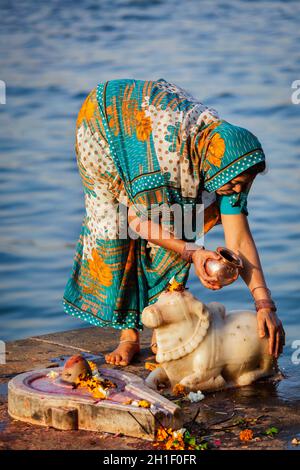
[219,418]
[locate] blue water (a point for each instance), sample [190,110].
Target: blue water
[240,57]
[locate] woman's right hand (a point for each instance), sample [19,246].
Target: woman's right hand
[199,259]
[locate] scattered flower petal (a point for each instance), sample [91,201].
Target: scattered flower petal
[53,374]
[151,365]
[144,404]
[194,397]
[178,390]
[295,441]
[246,435]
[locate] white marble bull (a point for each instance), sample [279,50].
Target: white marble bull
[201,347]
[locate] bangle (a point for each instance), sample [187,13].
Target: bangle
[265,303]
[261,287]
[188,251]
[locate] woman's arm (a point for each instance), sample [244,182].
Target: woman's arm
[156,234]
[238,238]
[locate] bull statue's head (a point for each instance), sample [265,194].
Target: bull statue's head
[180,322]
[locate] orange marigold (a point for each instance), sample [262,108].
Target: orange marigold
[162,434]
[246,435]
[175,444]
[178,390]
[127,402]
[151,365]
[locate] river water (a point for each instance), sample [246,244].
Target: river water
[240,57]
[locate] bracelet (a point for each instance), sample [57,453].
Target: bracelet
[265,303]
[188,251]
[261,287]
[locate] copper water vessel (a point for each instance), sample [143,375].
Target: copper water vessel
[226,269]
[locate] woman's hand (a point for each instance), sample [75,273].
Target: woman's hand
[269,323]
[199,259]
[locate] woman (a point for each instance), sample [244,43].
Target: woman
[145,146]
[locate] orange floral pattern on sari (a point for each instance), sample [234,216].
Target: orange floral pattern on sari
[143,125]
[216,150]
[99,270]
[86,111]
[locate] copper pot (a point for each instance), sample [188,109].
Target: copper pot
[226,269]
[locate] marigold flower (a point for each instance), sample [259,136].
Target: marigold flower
[246,435]
[180,439]
[179,389]
[92,365]
[98,388]
[151,365]
[175,286]
[127,402]
[144,404]
[162,434]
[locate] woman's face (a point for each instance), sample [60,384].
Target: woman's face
[236,185]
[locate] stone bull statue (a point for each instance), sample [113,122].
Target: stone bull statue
[201,347]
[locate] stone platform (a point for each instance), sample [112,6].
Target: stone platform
[219,417]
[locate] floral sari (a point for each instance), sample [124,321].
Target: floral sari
[145,145]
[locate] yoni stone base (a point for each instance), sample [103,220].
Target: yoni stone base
[35,398]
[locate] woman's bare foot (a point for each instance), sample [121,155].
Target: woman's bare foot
[128,347]
[153,343]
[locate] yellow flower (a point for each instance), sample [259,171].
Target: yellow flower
[99,270]
[175,286]
[216,150]
[246,435]
[143,125]
[98,388]
[92,365]
[144,404]
[151,365]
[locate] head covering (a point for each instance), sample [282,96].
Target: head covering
[225,152]
[230,150]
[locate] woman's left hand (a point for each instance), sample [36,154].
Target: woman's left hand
[268,322]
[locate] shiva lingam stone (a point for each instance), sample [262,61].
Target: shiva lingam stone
[201,347]
[226,269]
[48,398]
[75,367]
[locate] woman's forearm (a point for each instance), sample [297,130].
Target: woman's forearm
[252,272]
[155,233]
[238,238]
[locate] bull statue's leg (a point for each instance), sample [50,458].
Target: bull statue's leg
[265,370]
[157,377]
[195,382]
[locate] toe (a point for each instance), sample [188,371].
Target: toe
[125,360]
[117,359]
